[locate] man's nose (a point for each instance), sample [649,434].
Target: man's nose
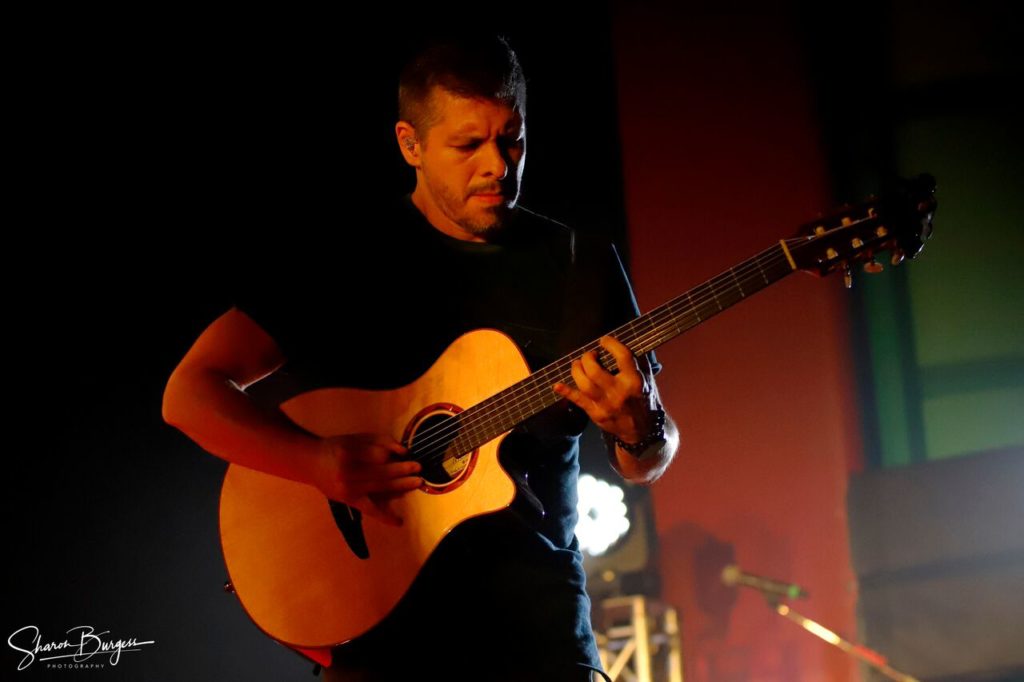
[495,160]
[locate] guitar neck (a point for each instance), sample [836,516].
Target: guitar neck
[508,408]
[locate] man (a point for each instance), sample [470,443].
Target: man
[502,597]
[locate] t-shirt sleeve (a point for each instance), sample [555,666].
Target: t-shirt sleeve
[621,301]
[257,296]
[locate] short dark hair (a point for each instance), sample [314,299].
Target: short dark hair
[481,67]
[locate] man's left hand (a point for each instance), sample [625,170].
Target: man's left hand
[622,404]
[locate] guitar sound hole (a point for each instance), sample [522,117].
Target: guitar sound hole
[431,441]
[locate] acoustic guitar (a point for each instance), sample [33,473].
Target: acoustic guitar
[312,573]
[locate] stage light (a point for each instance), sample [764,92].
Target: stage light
[603,516]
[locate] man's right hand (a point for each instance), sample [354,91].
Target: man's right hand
[205,398]
[365,470]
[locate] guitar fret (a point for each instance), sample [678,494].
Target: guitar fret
[761,270]
[693,307]
[733,273]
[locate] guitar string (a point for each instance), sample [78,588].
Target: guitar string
[768,258]
[438,435]
[454,423]
[470,428]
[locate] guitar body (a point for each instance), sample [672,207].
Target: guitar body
[299,577]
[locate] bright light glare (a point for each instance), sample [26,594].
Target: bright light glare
[602,515]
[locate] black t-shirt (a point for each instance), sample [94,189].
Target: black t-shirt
[376,314]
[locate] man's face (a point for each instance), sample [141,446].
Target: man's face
[471,163]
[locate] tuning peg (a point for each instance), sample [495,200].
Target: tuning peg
[847,276]
[873,267]
[897,257]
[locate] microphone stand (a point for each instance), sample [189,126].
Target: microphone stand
[859,651]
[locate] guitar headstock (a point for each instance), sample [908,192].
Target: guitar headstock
[898,222]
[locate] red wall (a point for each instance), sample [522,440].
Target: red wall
[722,158]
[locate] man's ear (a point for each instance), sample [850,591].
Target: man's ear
[408,143]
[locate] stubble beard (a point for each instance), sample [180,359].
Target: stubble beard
[487,222]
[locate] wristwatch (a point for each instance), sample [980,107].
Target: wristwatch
[656,434]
